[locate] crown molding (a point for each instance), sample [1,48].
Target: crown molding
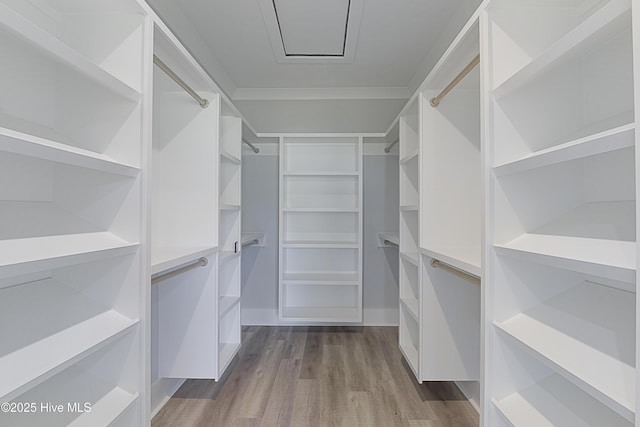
[253,94]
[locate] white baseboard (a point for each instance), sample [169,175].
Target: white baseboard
[269,317]
[471,390]
[161,391]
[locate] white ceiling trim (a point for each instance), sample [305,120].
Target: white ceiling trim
[353,30]
[253,94]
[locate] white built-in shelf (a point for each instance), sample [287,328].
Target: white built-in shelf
[554,401]
[319,244]
[63,324]
[606,258]
[229,207]
[230,158]
[24,255]
[72,385]
[587,335]
[322,173]
[53,48]
[610,140]
[410,156]
[321,314]
[411,257]
[598,28]
[463,258]
[324,278]
[595,238]
[225,256]
[409,207]
[28,145]
[227,303]
[321,210]
[412,306]
[163,259]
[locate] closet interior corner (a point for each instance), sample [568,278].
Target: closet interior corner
[160,200]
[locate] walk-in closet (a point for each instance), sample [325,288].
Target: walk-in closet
[319,213]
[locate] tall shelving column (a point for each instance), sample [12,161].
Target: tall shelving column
[230,232]
[409,234]
[560,319]
[451,215]
[73,271]
[184,221]
[320,229]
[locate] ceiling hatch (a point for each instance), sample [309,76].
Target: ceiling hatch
[312,31]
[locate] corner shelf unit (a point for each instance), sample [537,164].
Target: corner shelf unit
[560,344]
[320,229]
[73,219]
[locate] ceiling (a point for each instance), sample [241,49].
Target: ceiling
[384,42]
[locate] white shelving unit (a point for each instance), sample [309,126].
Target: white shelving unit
[451,215]
[184,214]
[71,161]
[196,211]
[560,317]
[230,232]
[320,229]
[410,321]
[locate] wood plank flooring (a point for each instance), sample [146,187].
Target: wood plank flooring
[318,376]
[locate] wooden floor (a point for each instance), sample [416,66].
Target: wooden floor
[318,376]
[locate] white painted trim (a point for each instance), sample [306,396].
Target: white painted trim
[353,31]
[317,93]
[161,391]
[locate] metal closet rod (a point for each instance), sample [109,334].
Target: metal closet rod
[197,263]
[390,243]
[435,263]
[253,147]
[169,72]
[251,243]
[436,101]
[390,146]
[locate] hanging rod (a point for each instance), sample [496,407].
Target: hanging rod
[198,263]
[475,61]
[390,146]
[390,243]
[461,274]
[169,72]
[253,147]
[251,243]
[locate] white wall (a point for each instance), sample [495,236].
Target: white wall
[260,213]
[338,115]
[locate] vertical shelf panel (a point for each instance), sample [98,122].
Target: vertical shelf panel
[73,209]
[562,195]
[230,232]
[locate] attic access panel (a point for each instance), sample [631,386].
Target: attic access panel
[312,28]
[312,31]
